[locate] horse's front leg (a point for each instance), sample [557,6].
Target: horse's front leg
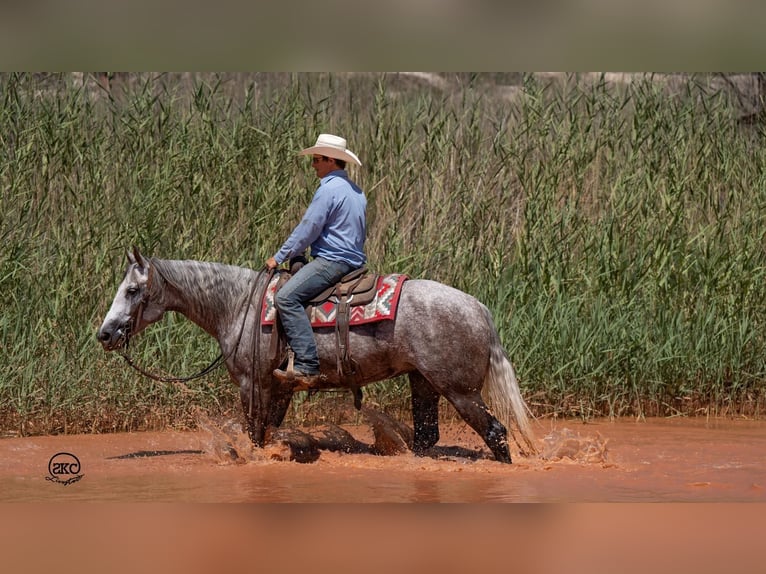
[278,405]
[270,404]
[255,414]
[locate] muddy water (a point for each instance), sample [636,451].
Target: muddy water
[653,460]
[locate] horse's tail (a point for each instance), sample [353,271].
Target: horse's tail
[501,389]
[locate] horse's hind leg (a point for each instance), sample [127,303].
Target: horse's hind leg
[425,413]
[474,411]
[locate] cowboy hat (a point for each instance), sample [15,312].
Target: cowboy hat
[331,146]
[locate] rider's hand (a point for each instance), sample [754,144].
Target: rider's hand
[271,263]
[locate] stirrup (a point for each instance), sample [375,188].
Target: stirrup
[290,364]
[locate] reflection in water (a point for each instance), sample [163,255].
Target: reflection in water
[655,460]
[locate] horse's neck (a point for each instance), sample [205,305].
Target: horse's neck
[208,294]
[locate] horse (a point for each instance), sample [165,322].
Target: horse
[443,339]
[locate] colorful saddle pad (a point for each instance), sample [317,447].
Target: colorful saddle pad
[381,308]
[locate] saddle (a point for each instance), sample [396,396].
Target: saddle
[356,288]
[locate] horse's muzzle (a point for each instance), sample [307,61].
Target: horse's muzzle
[112,339]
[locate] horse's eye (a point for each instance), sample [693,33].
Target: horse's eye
[132,290]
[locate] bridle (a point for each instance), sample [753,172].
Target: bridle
[220,359]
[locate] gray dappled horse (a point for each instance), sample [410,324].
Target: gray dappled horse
[442,338]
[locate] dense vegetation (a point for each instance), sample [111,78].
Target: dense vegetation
[616,231]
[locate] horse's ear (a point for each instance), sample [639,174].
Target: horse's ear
[136,257]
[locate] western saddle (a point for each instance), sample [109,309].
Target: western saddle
[357,288]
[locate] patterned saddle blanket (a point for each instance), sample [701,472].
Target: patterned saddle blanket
[382,307]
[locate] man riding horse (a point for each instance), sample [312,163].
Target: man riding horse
[443,339]
[334,226]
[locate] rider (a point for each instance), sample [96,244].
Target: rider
[334,225]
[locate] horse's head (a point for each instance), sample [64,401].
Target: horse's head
[132,309]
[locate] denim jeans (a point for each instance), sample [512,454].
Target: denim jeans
[309,281]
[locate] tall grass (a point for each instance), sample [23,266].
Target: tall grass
[615,231]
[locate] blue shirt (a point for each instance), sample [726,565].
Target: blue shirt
[334,225]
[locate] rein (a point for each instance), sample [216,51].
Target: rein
[257,340]
[211,367]
[218,361]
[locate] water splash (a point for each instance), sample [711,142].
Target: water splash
[226,442]
[566,444]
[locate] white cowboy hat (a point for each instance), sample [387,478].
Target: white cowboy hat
[331,146]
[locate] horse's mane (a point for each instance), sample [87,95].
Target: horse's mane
[213,285]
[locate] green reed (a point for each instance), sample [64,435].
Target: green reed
[616,232]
